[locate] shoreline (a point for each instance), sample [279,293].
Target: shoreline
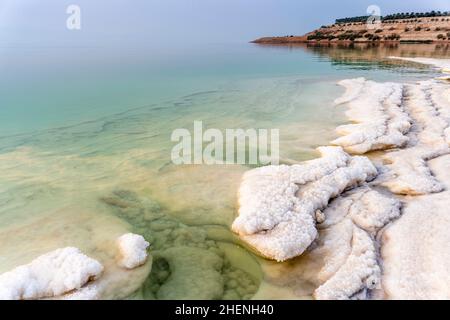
[356,230]
[287,40]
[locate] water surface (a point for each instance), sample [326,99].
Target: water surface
[85,150]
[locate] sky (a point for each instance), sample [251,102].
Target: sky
[159,22]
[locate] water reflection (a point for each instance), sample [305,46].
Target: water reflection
[369,55]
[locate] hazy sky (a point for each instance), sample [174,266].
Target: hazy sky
[43,22]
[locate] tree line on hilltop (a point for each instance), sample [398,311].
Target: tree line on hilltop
[397,16]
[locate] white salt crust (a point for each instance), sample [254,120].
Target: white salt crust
[378,119]
[68,274]
[409,172]
[132,250]
[279,214]
[350,258]
[413,117]
[416,248]
[278,203]
[51,274]
[368,209]
[359,271]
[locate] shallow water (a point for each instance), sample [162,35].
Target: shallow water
[85,151]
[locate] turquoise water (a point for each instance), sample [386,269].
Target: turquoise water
[50,87]
[85,150]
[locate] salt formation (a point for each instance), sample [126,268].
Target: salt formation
[287,210]
[389,115]
[278,203]
[132,250]
[368,209]
[348,245]
[51,274]
[409,172]
[416,248]
[379,119]
[360,270]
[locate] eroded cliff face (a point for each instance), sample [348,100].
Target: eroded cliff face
[424,29]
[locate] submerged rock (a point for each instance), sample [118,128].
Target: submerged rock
[184,255]
[132,250]
[193,274]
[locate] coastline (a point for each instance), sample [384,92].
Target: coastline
[363,237]
[303,39]
[422,30]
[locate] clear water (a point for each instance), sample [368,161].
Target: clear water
[85,150]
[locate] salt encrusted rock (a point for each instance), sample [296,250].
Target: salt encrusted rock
[367,208]
[347,243]
[132,250]
[416,248]
[409,170]
[410,174]
[49,275]
[383,118]
[379,121]
[335,246]
[278,203]
[359,271]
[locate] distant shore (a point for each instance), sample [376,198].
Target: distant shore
[423,30]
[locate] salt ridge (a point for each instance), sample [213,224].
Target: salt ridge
[410,123]
[278,203]
[379,121]
[51,274]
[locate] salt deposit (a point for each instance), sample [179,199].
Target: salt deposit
[409,170]
[349,251]
[416,248]
[326,210]
[359,271]
[51,274]
[278,203]
[379,121]
[132,250]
